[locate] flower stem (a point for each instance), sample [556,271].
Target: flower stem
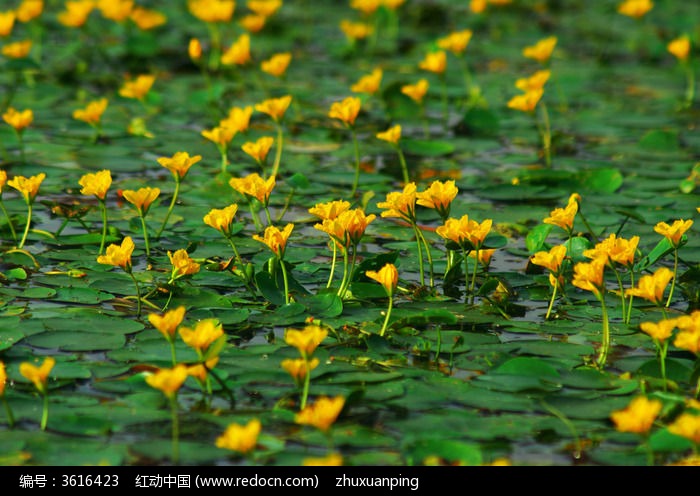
[9,221]
[629,305]
[224,160]
[675,275]
[466,276]
[404,167]
[21,147]
[473,285]
[622,294]
[690,90]
[286,281]
[172,351]
[145,235]
[388,315]
[45,411]
[546,136]
[307,382]
[278,150]
[551,301]
[170,208]
[254,214]
[175,429]
[8,412]
[429,256]
[605,344]
[268,216]
[138,294]
[663,350]
[356,148]
[345,273]
[333,263]
[26,228]
[420,255]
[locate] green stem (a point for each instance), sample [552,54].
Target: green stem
[551,301]
[215,55]
[663,350]
[476,267]
[254,214]
[26,228]
[307,382]
[345,272]
[622,293]
[9,221]
[675,275]
[8,412]
[45,411]
[420,254]
[278,150]
[690,90]
[335,258]
[348,274]
[145,234]
[466,275]
[388,315]
[404,167]
[286,281]
[605,344]
[138,293]
[176,429]
[235,251]
[356,148]
[546,136]
[20,140]
[629,305]
[430,257]
[224,160]
[104,226]
[650,452]
[170,208]
[172,351]
[268,216]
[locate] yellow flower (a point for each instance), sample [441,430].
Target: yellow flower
[238,118]
[194,49]
[253,23]
[367,7]
[417,91]
[328,210]
[635,8]
[688,338]
[435,62]
[239,52]
[330,460]
[92,113]
[3,180]
[391,135]
[402,205]
[322,414]
[119,255]
[27,186]
[169,381]
[687,425]
[690,461]
[456,42]
[527,101]
[618,250]
[96,184]
[18,120]
[137,88]
[661,330]
[484,256]
[305,340]
[220,135]
[564,217]
[7,22]
[259,149]
[254,186]
[467,233]
[182,264]
[651,287]
[212,10]
[203,335]
[277,64]
[387,276]
[673,232]
[3,379]
[179,164]
[438,196]
[542,50]
[355,30]
[168,323]
[221,219]
[346,110]
[275,239]
[534,82]
[116,10]
[141,198]
[589,276]
[638,416]
[679,48]
[477,6]
[368,83]
[274,107]
[392,4]
[550,260]
[29,9]
[354,223]
[200,370]
[147,19]
[242,439]
[39,376]
[76,13]
[17,50]
[265,8]
[297,367]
